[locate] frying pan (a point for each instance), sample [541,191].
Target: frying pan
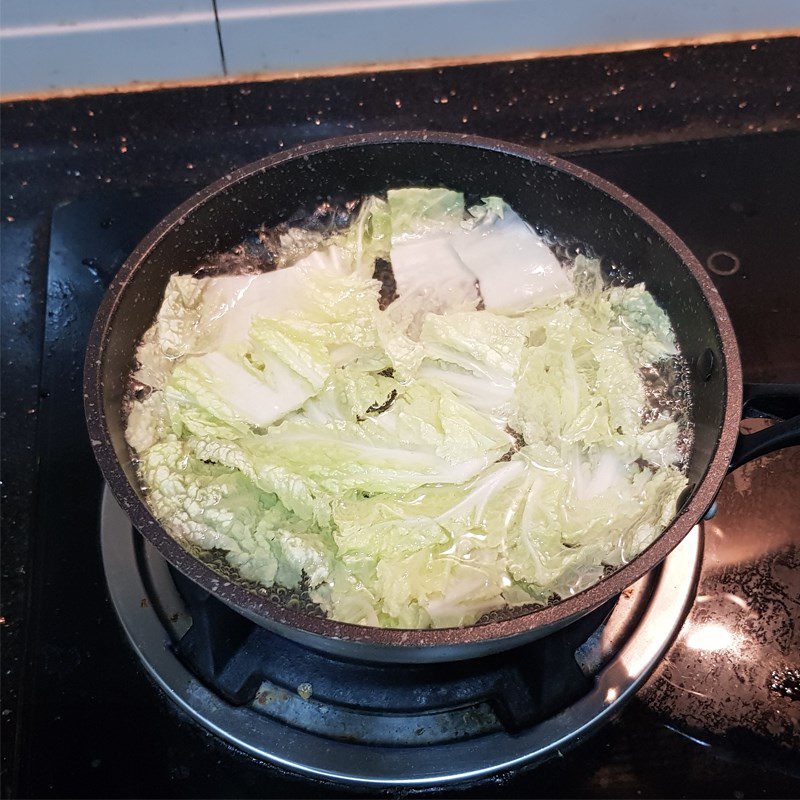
[550,193]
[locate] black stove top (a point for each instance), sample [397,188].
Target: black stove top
[82,717]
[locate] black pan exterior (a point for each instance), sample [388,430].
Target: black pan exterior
[568,201]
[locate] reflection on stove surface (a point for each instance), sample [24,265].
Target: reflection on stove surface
[731,669]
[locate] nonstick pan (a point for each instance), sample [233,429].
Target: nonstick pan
[573,204]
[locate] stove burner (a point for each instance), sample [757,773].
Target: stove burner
[413,725]
[244,663]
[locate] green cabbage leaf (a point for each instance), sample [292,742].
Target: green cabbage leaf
[485,441]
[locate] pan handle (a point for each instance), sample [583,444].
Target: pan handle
[778,401]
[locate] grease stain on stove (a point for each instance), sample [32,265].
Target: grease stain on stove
[305,690]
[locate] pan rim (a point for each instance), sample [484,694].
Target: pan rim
[261,606]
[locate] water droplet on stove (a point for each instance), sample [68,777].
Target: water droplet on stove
[786,682]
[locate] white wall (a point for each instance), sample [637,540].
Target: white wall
[51,44]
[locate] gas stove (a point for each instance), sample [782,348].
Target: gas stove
[129,681]
[728,675]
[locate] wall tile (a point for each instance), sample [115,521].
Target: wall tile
[46,45]
[272,35]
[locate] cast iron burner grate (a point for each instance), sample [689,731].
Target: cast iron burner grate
[401,724]
[243,663]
